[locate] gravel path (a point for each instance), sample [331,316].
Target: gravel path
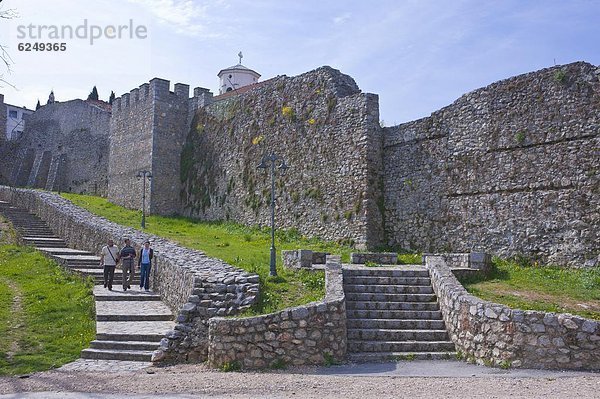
[198,381]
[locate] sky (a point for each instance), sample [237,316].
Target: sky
[417,55]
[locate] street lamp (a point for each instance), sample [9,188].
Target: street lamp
[144,174]
[272,161]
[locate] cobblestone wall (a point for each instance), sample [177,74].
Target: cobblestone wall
[493,334]
[328,133]
[194,286]
[511,168]
[147,130]
[310,334]
[64,148]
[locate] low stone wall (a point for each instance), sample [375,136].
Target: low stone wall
[384,258]
[302,258]
[494,334]
[193,285]
[473,260]
[310,334]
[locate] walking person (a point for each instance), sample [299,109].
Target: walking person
[127,257]
[108,259]
[145,265]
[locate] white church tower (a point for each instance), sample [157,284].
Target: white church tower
[237,76]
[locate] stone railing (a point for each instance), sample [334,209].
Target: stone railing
[303,258]
[193,285]
[383,258]
[494,334]
[311,334]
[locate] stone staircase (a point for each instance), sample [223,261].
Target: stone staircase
[393,314]
[130,324]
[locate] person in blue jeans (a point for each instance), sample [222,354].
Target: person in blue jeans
[145,264]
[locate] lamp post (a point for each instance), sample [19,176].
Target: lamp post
[144,174]
[271,162]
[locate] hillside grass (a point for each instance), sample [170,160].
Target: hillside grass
[46,313]
[527,286]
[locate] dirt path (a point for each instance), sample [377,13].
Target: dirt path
[15,323]
[198,381]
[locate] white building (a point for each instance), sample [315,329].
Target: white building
[236,76]
[15,123]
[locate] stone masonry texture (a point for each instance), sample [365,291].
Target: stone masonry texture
[511,169]
[304,335]
[148,128]
[324,128]
[63,148]
[493,334]
[193,285]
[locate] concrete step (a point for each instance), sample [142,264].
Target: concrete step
[394,314]
[108,354]
[382,297]
[409,324]
[124,345]
[132,311]
[417,271]
[79,259]
[378,280]
[364,305]
[129,337]
[64,251]
[400,346]
[134,294]
[367,357]
[132,330]
[133,317]
[388,289]
[374,334]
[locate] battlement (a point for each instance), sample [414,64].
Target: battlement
[157,90]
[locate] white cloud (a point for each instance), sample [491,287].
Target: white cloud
[340,19]
[184,16]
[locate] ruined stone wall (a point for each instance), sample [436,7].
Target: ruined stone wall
[64,148]
[328,133]
[493,334]
[511,168]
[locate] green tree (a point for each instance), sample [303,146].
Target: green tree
[94,94]
[112,97]
[38,105]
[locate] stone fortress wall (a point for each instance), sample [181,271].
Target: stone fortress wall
[324,128]
[147,132]
[63,148]
[511,168]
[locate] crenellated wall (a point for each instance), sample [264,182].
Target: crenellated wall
[328,133]
[63,148]
[511,168]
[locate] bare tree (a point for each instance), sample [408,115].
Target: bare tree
[5,59]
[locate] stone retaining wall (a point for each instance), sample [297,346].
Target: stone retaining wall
[193,285]
[303,258]
[384,258]
[494,334]
[310,334]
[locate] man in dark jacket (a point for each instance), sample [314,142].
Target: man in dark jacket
[145,265]
[127,257]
